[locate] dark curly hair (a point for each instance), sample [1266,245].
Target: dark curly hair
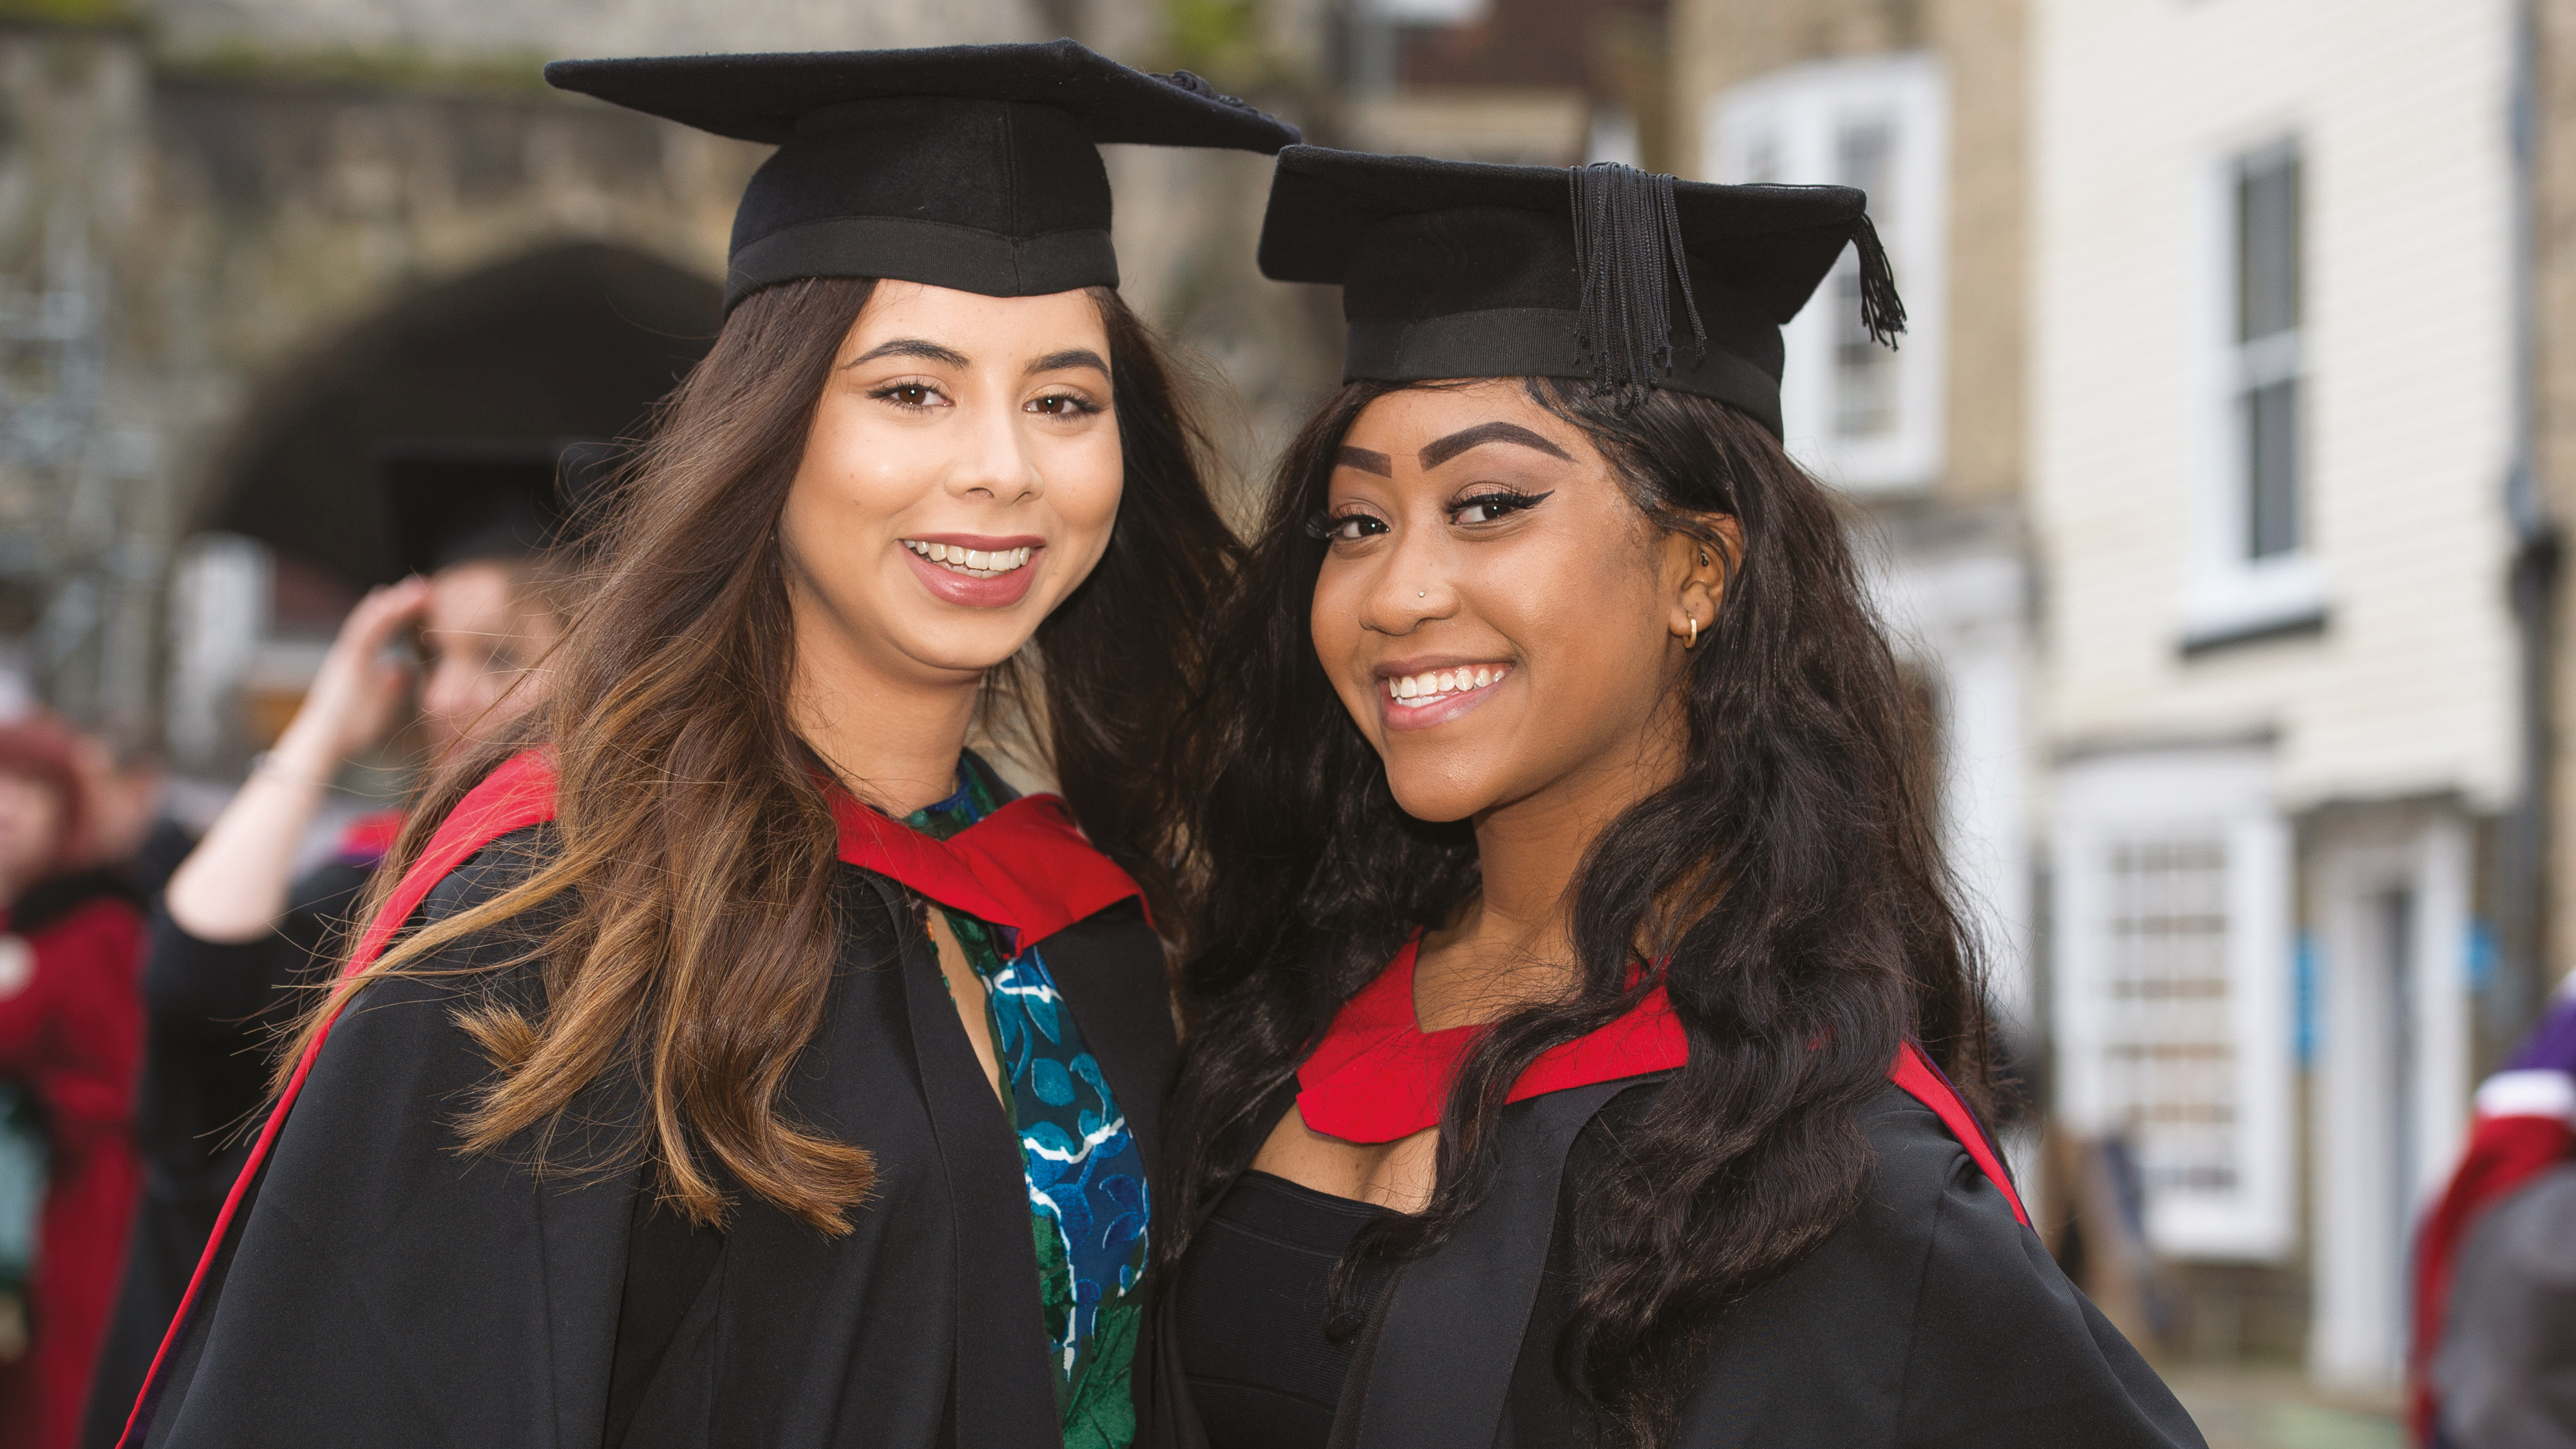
[1790,879]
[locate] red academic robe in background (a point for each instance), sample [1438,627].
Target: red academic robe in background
[2524,1124]
[71,1030]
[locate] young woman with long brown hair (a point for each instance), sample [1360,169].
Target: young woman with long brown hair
[737,1061]
[1575,1015]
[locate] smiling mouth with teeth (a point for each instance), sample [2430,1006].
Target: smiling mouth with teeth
[1436,686]
[974,563]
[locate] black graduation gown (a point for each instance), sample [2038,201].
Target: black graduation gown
[209,1007]
[382,1289]
[1931,1318]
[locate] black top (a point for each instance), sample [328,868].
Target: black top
[382,1289]
[1253,1300]
[2506,1366]
[1456,269]
[1931,1319]
[964,166]
[453,500]
[210,1010]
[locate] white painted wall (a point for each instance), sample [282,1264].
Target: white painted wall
[2374,1172]
[2399,108]
[1959,614]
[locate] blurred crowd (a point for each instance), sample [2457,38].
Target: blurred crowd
[146,965]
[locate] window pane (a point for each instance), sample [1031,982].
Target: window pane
[2271,428]
[1863,151]
[2267,248]
[1762,160]
[2171,1068]
[1864,372]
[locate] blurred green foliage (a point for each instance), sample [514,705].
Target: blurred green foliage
[68,12]
[1222,40]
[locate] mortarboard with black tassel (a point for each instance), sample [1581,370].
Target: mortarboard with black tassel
[1625,278]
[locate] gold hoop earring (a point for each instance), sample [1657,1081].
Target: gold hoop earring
[1693,641]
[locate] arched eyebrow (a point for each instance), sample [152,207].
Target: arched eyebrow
[924,349]
[1441,450]
[1069,357]
[1366,460]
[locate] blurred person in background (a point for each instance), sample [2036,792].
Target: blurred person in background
[1576,1009]
[2504,1369]
[128,830]
[2492,1360]
[71,1036]
[239,930]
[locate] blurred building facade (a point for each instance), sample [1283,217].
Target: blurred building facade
[1919,103]
[1522,82]
[2274,362]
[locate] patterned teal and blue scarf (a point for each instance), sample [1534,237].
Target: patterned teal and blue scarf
[1086,1178]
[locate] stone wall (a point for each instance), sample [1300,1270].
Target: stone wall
[86,497]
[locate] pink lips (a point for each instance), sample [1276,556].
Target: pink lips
[998,592]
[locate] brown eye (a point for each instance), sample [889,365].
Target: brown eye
[912,396]
[1346,527]
[1494,507]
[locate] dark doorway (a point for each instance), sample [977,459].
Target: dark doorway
[573,341]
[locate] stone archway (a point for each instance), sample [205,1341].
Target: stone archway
[572,340]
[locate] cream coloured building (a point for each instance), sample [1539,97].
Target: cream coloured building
[1922,106]
[2272,421]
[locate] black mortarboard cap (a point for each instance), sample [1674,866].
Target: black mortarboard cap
[1627,278]
[964,166]
[455,500]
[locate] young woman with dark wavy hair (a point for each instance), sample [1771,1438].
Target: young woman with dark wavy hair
[736,1060]
[1583,1045]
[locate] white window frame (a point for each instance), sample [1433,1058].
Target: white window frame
[1792,117]
[2221,793]
[2230,593]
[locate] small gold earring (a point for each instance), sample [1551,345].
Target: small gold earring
[1693,641]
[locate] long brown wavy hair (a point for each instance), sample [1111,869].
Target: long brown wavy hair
[682,916]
